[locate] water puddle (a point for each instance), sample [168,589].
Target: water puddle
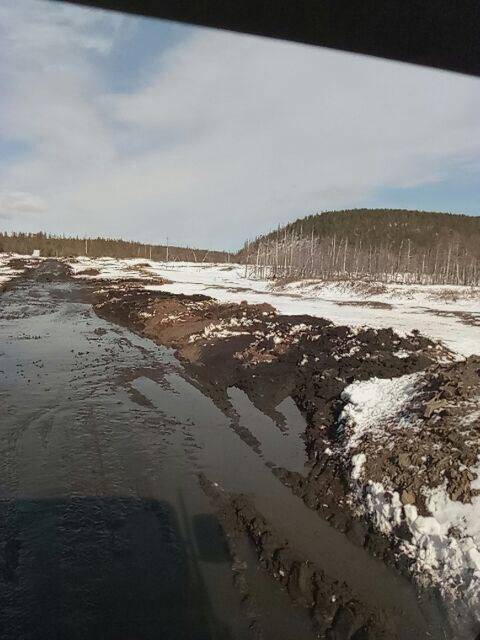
[226,459]
[282,445]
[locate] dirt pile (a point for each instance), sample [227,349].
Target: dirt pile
[106,271]
[267,355]
[442,441]
[271,357]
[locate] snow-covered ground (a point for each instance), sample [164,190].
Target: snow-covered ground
[7,272]
[112,268]
[445,543]
[446,313]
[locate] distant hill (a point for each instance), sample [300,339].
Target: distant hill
[379,226]
[59,246]
[384,244]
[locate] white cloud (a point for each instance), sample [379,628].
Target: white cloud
[18,202]
[228,134]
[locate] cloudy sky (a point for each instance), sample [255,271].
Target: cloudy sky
[128,127]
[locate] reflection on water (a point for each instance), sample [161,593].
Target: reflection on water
[225,458]
[282,447]
[104,532]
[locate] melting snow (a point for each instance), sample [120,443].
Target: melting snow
[374,403]
[445,545]
[407,307]
[6,271]
[358,462]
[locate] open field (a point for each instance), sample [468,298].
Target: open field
[445,313]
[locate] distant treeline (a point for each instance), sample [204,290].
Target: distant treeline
[60,246]
[374,244]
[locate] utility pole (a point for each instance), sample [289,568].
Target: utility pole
[167,251]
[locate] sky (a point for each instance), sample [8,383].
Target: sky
[126,127]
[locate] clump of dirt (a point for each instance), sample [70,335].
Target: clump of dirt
[466,317]
[454,294]
[372,304]
[89,272]
[19,264]
[23,267]
[360,287]
[185,323]
[365,288]
[40,270]
[333,609]
[52,271]
[139,273]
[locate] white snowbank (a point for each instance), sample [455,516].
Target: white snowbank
[384,507]
[432,296]
[374,404]
[445,545]
[111,268]
[358,460]
[453,559]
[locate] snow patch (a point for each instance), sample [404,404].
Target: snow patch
[372,404]
[445,544]
[358,462]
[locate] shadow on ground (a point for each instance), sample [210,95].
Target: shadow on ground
[105,568]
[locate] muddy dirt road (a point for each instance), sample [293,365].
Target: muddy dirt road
[105,530]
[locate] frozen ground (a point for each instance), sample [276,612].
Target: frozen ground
[444,540]
[7,270]
[445,313]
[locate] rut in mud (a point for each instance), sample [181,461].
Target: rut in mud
[106,530]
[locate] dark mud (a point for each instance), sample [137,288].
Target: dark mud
[249,349]
[23,267]
[329,603]
[105,531]
[371,304]
[469,318]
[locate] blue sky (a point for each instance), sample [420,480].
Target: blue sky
[123,126]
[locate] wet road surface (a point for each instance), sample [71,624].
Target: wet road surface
[104,530]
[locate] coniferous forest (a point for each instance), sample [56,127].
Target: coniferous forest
[61,246]
[386,245]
